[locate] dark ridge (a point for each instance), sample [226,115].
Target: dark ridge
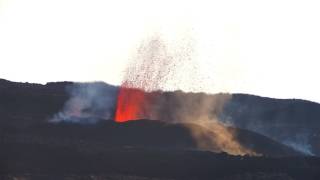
[136,134]
[25,105]
[32,148]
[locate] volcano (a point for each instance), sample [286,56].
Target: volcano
[33,147]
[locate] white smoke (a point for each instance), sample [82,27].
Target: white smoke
[301,143]
[88,103]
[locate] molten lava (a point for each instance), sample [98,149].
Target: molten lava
[140,97]
[130,104]
[148,71]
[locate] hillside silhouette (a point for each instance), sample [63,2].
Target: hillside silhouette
[32,147]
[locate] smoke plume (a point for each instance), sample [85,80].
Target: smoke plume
[88,103]
[279,120]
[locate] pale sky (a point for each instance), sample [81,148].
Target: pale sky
[269,48]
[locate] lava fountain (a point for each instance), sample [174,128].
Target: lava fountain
[154,69]
[130,104]
[148,71]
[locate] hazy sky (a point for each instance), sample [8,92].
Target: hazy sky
[269,48]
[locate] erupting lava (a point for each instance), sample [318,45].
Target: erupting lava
[154,68]
[130,104]
[148,71]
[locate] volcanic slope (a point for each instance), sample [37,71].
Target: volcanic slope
[143,148]
[26,106]
[33,148]
[149,134]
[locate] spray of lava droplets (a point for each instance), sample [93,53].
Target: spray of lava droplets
[149,70]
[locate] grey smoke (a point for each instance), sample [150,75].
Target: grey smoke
[88,103]
[299,142]
[271,118]
[302,146]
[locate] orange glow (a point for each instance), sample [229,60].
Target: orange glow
[130,104]
[146,73]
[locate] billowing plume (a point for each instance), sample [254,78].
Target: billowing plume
[88,103]
[200,113]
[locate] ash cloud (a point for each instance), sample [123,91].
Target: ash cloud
[88,103]
[199,112]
